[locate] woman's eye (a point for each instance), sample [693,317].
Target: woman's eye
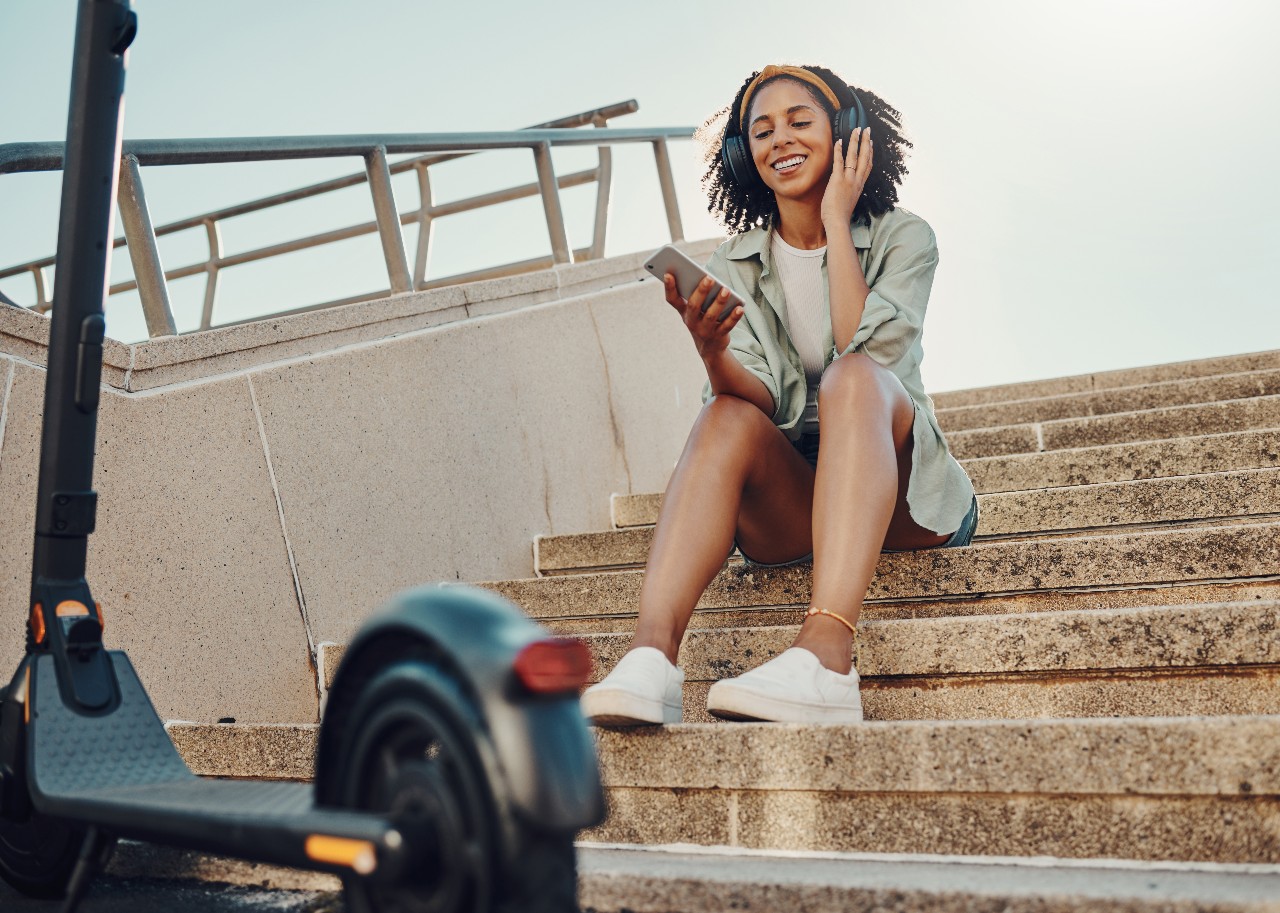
[764,134]
[802,123]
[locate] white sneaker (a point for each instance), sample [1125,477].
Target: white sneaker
[642,688]
[791,688]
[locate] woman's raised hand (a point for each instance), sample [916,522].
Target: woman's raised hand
[849,175]
[710,334]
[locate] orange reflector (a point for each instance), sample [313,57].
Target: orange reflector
[26,705]
[102,622]
[554,665]
[357,855]
[37,623]
[70,607]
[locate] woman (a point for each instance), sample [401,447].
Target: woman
[835,281]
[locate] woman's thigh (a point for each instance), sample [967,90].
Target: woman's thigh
[775,517]
[862,379]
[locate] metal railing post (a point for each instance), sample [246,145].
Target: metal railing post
[384,207]
[668,182]
[140,237]
[560,252]
[426,224]
[42,294]
[214,234]
[604,182]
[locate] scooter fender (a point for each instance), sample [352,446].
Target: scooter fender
[544,757]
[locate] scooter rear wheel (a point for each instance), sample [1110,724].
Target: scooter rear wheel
[410,753]
[37,855]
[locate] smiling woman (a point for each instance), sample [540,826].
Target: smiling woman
[835,279]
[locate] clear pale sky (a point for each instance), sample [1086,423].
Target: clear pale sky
[1100,175]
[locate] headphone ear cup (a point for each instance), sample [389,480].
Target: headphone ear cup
[842,129]
[733,151]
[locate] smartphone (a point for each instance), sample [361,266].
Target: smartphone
[669,259]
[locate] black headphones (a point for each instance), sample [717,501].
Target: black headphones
[737,157]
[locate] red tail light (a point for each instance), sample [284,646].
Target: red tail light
[554,665]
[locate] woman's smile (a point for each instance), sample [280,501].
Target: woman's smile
[789,165]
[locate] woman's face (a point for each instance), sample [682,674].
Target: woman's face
[790,140]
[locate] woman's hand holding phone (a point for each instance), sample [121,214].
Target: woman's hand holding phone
[702,317]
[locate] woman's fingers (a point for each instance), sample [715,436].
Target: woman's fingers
[672,296]
[864,155]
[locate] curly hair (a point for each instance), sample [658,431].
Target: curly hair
[739,208]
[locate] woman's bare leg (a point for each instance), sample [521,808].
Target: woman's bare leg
[737,472]
[859,504]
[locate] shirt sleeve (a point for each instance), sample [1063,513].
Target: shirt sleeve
[744,338]
[893,316]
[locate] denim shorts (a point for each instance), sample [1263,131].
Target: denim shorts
[808,447]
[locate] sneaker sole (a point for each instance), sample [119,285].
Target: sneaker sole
[616,709]
[739,704]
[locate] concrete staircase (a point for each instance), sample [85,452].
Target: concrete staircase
[1097,677]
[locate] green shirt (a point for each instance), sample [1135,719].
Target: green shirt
[899,254]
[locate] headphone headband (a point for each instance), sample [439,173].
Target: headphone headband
[803,75]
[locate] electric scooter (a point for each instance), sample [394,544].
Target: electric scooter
[453,765]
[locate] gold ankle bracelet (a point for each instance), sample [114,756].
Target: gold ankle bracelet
[814,610]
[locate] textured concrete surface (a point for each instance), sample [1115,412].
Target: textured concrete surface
[169,360]
[964,606]
[1243,494]
[262,751]
[1126,462]
[1215,659]
[25,335]
[1124,377]
[710,880]
[719,880]
[1104,402]
[152,894]
[1193,789]
[188,561]
[1199,756]
[1226,553]
[1220,691]
[383,490]
[1159,637]
[1157,424]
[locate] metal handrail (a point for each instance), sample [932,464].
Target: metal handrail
[151,279]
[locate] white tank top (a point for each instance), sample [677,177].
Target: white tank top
[803,314]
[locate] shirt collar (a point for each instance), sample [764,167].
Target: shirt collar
[754,242]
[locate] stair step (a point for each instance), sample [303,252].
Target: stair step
[1061,468]
[1197,788]
[1231,553]
[1106,380]
[1216,388]
[1113,505]
[624,878]
[1215,659]
[1200,788]
[1148,425]
[627,879]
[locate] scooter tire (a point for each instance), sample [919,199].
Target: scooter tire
[38,855]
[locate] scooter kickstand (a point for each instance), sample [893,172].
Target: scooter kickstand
[95,851]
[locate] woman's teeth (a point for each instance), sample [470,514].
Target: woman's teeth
[790,164]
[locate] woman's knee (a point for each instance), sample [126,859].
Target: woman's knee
[732,416]
[857,384]
[852,381]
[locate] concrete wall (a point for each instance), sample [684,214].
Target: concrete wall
[263,488]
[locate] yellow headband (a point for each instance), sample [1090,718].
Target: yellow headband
[805,76]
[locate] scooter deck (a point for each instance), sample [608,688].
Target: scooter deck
[121,772]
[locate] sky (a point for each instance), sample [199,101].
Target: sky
[1100,175]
